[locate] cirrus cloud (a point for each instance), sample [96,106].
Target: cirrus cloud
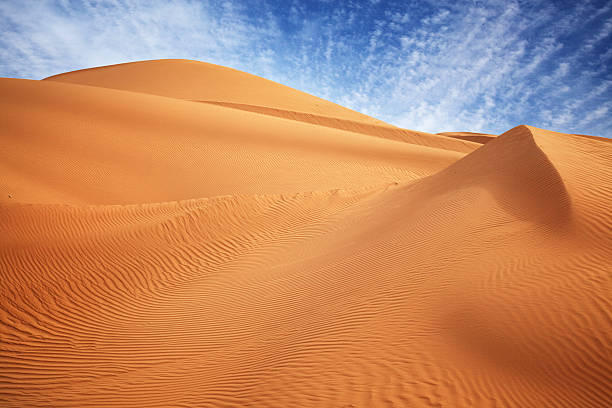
[435,65]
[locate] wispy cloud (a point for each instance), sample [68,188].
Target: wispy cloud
[40,38]
[435,66]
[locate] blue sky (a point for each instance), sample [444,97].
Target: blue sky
[431,65]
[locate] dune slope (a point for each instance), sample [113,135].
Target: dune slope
[183,79]
[481,138]
[65,143]
[203,82]
[453,280]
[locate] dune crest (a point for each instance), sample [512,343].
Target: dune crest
[515,170]
[481,138]
[387,132]
[91,145]
[203,82]
[161,252]
[195,80]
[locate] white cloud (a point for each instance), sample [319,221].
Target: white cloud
[493,68]
[603,33]
[53,37]
[436,66]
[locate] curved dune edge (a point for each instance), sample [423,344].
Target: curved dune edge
[195,80]
[599,138]
[480,138]
[482,282]
[91,145]
[383,131]
[203,82]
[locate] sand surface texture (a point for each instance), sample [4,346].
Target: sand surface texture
[178,234]
[481,138]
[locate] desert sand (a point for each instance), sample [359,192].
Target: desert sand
[179,234]
[481,138]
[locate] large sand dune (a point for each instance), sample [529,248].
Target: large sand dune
[159,251]
[199,81]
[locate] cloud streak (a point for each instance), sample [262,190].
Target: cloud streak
[433,66]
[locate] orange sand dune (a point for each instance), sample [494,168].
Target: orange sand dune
[393,133]
[65,143]
[195,80]
[337,269]
[481,138]
[183,79]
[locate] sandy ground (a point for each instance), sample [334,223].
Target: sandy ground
[178,234]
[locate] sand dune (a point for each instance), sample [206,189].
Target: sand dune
[161,252]
[481,138]
[393,133]
[90,145]
[183,79]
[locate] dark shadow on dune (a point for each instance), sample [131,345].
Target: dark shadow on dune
[523,348]
[516,172]
[490,339]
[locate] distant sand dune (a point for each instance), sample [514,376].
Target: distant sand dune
[159,252]
[481,138]
[91,145]
[194,80]
[384,131]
